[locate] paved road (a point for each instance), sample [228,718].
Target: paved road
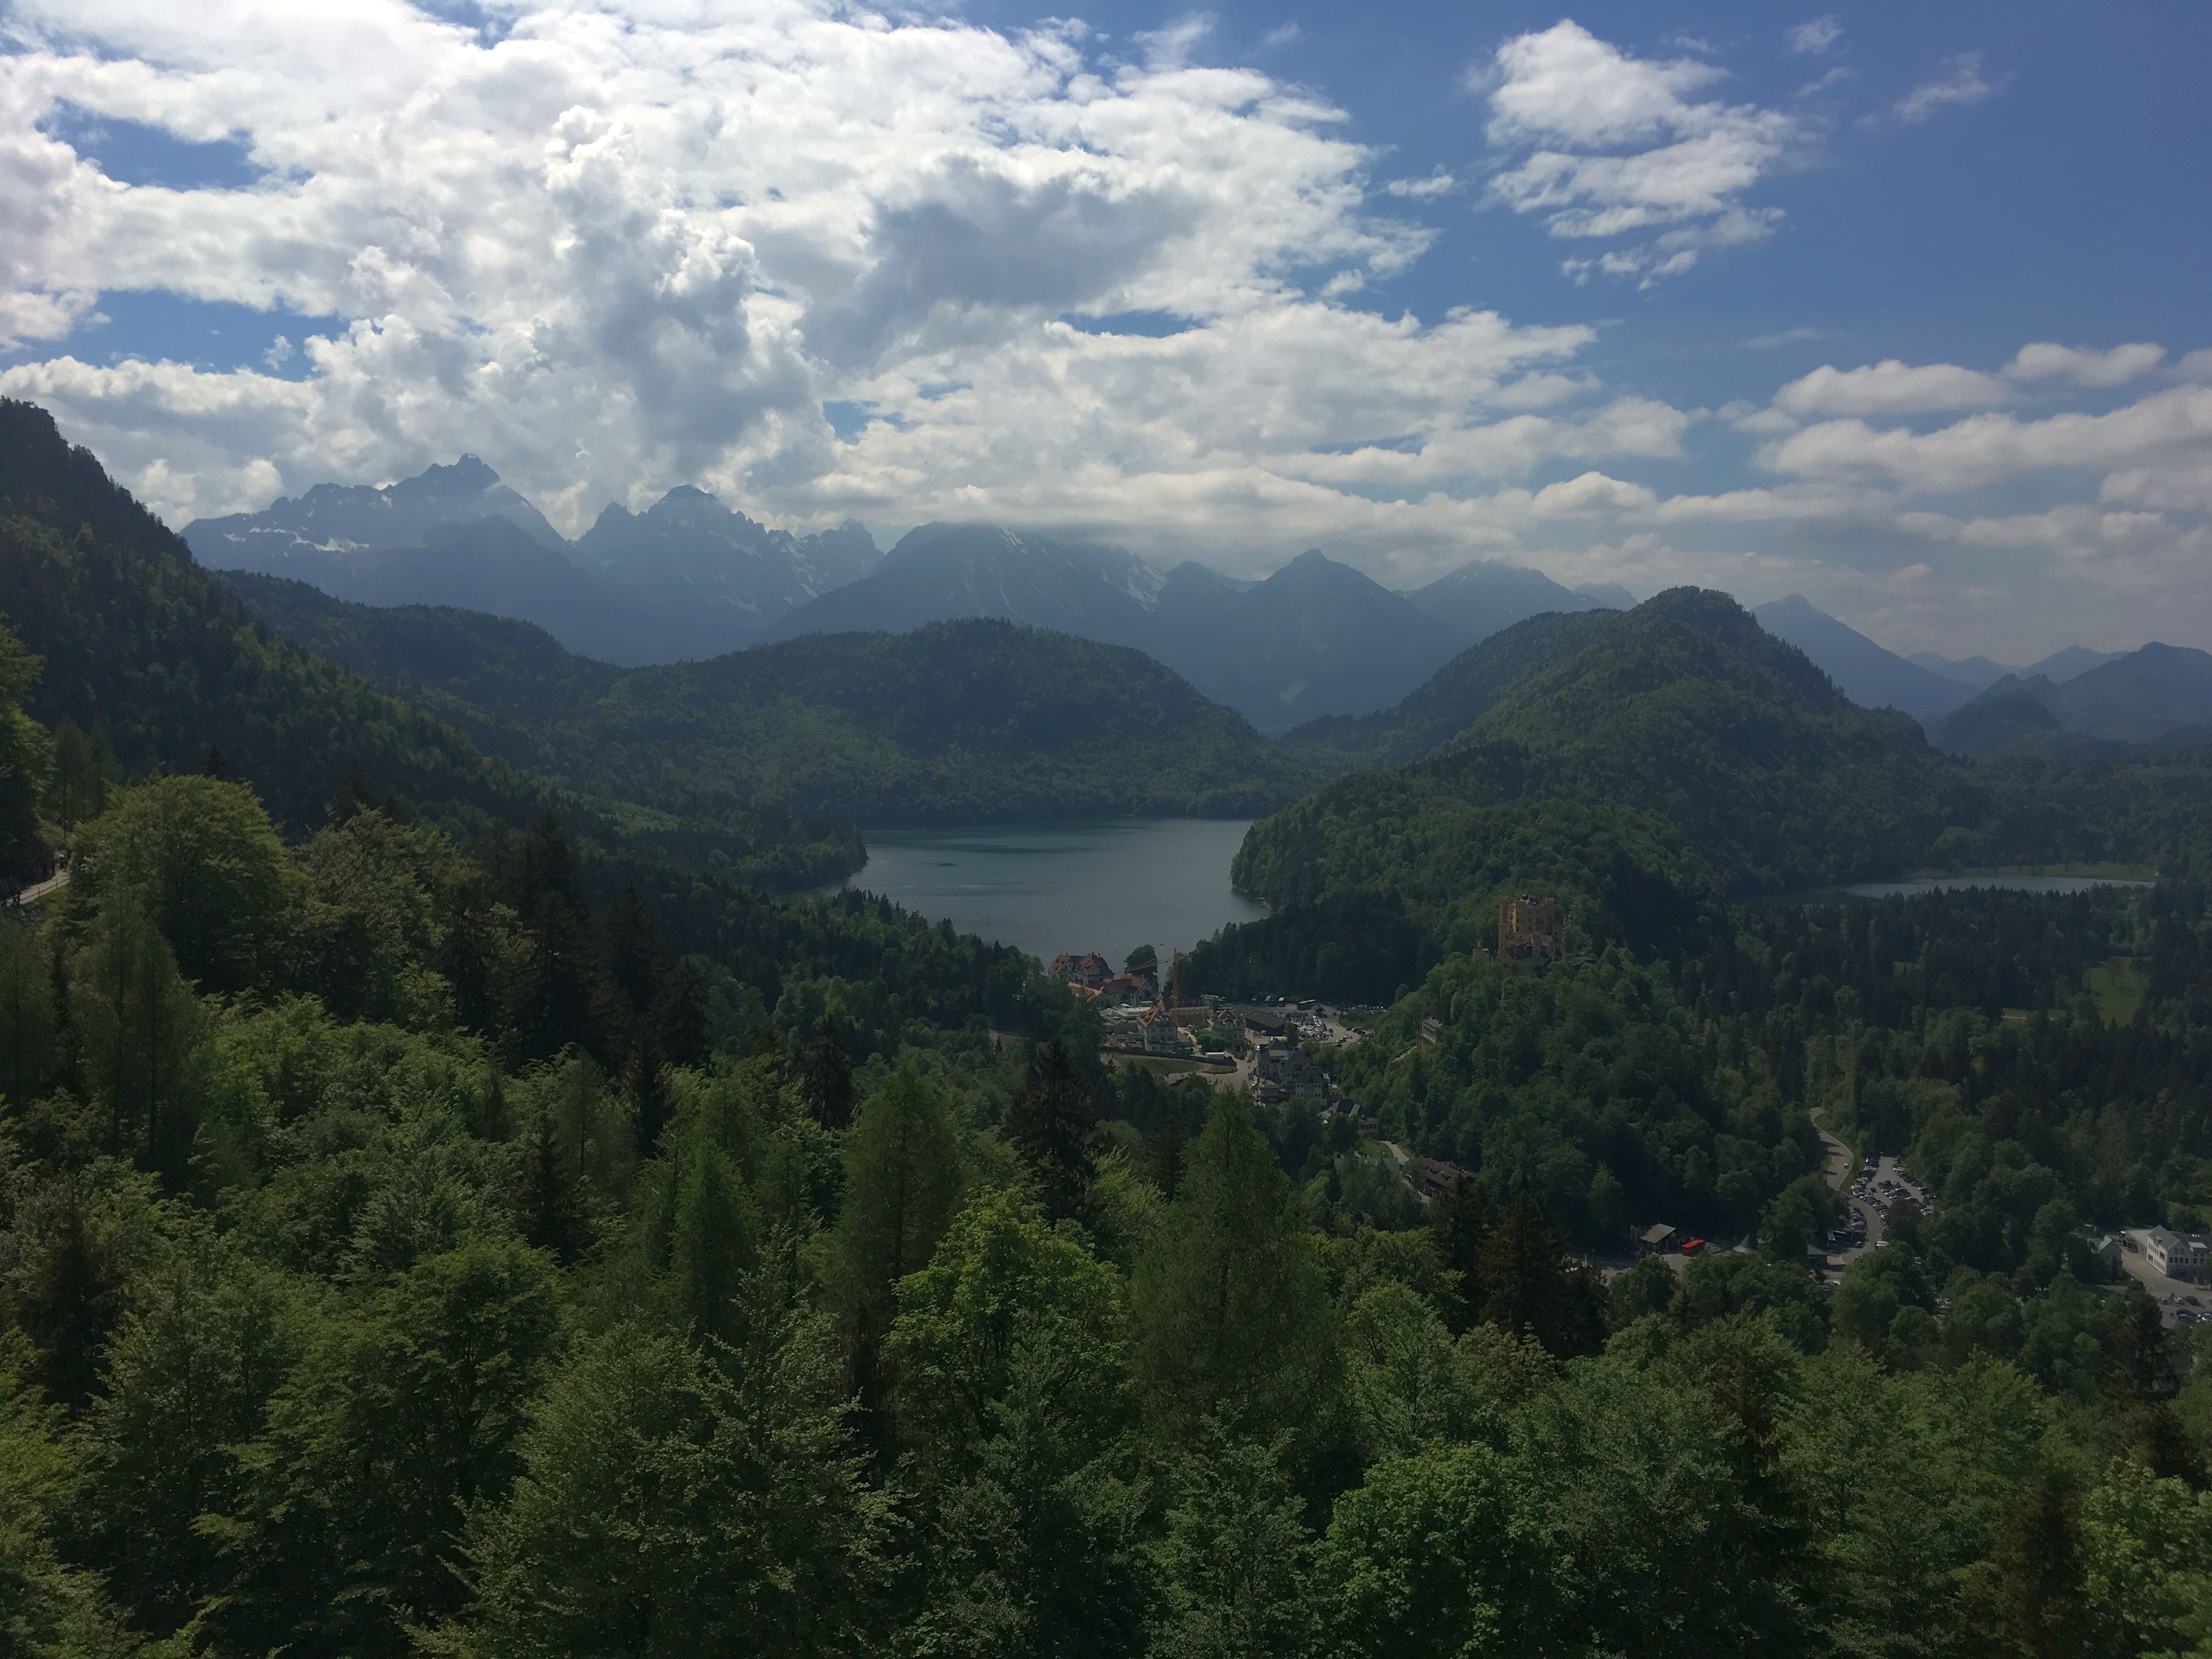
[38,891]
[1839,1158]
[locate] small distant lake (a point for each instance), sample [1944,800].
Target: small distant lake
[1102,884]
[1912,884]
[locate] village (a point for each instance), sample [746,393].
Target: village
[1267,1047]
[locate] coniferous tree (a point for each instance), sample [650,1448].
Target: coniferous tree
[714,1244]
[1529,1286]
[902,1185]
[1050,1123]
[70,1301]
[551,1208]
[138,1023]
[26,1015]
[681,1019]
[1460,1224]
[826,1072]
[1232,1322]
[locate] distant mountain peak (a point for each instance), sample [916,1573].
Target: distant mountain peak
[1862,671]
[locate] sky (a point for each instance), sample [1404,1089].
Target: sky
[1898,307]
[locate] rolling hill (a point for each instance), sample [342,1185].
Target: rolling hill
[955,722]
[138,639]
[1449,701]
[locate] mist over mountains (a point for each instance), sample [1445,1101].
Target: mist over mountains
[691,578]
[687,578]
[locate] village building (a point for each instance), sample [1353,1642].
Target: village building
[1162,1035]
[1528,930]
[1434,1178]
[1280,1072]
[1090,970]
[1656,1239]
[2178,1256]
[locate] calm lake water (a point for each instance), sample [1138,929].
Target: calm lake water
[1106,885]
[2003,883]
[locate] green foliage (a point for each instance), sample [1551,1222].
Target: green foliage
[26,763]
[1437,1553]
[668,1507]
[200,858]
[958,722]
[397,1421]
[1231,1324]
[1595,1084]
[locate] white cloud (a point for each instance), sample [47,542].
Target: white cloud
[628,244]
[1814,39]
[1617,145]
[2083,367]
[1438,183]
[2169,428]
[1962,84]
[1282,35]
[1890,387]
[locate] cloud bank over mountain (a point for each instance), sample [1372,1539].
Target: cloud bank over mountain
[831,264]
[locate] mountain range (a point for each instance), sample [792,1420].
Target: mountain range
[1315,637]
[1981,673]
[687,578]
[2160,695]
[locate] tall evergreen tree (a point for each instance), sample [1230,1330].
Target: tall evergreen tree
[1232,1320]
[1529,1286]
[551,1207]
[714,1244]
[826,1072]
[26,1015]
[1461,1224]
[138,1023]
[902,1185]
[1050,1123]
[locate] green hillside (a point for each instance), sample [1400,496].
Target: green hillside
[139,644]
[1684,708]
[956,722]
[1449,701]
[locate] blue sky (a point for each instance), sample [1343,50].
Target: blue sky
[1893,306]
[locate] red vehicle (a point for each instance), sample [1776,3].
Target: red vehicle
[1692,1246]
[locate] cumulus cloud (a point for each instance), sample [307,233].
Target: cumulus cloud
[1815,38]
[617,244]
[1960,83]
[2168,429]
[1616,144]
[1890,387]
[2083,367]
[1440,183]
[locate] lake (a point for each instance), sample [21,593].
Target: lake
[1102,884]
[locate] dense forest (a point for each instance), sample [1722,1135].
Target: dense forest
[442,1213]
[959,722]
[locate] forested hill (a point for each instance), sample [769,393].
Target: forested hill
[959,721]
[955,722]
[138,641]
[1684,708]
[1449,701]
[165,664]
